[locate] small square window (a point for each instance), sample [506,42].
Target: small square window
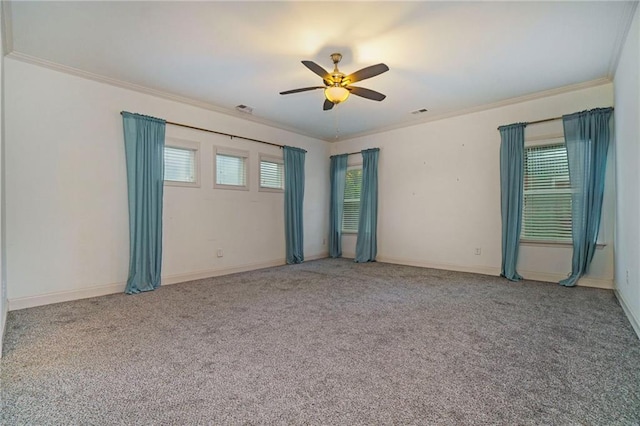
[231,169]
[271,174]
[181,163]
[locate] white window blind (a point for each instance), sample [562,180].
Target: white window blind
[353,187]
[179,164]
[271,174]
[547,194]
[231,170]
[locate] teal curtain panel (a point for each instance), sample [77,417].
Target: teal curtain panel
[338,174]
[367,242]
[511,195]
[144,150]
[293,202]
[587,135]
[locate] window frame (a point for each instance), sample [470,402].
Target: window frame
[354,166]
[541,142]
[185,145]
[269,159]
[231,152]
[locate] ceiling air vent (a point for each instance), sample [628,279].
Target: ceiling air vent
[419,111]
[244,108]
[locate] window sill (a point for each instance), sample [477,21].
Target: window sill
[267,189]
[599,246]
[182,184]
[233,187]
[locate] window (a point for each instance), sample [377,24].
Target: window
[547,194]
[353,186]
[271,174]
[231,169]
[181,162]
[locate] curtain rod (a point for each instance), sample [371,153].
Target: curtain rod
[541,121]
[351,153]
[346,153]
[224,134]
[219,133]
[544,121]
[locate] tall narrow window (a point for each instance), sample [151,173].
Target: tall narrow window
[547,194]
[271,174]
[231,169]
[181,163]
[353,187]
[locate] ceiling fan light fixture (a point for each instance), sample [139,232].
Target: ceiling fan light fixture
[337,86]
[336,94]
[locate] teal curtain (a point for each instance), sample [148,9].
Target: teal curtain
[144,150]
[293,199]
[587,135]
[511,195]
[338,174]
[367,243]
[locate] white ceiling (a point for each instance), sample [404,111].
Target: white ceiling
[447,57]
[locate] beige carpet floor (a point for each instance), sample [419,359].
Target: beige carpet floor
[326,342]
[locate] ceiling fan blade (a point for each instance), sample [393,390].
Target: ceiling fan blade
[304,89]
[318,70]
[366,93]
[327,105]
[365,73]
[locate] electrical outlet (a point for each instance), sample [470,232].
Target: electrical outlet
[324,241]
[627,277]
[220,253]
[478,251]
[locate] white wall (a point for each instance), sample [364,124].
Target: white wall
[627,241]
[67,217]
[4,305]
[439,191]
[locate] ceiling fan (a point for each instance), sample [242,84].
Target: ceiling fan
[337,86]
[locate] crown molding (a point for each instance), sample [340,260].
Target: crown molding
[483,107]
[211,107]
[154,92]
[623,33]
[7,28]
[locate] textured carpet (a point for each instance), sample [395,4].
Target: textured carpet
[327,342]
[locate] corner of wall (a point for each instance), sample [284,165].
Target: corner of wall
[3,322]
[635,322]
[5,39]
[627,160]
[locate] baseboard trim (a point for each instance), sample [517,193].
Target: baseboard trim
[316,256]
[635,323]
[603,283]
[208,273]
[3,322]
[476,269]
[488,270]
[199,275]
[65,296]
[118,287]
